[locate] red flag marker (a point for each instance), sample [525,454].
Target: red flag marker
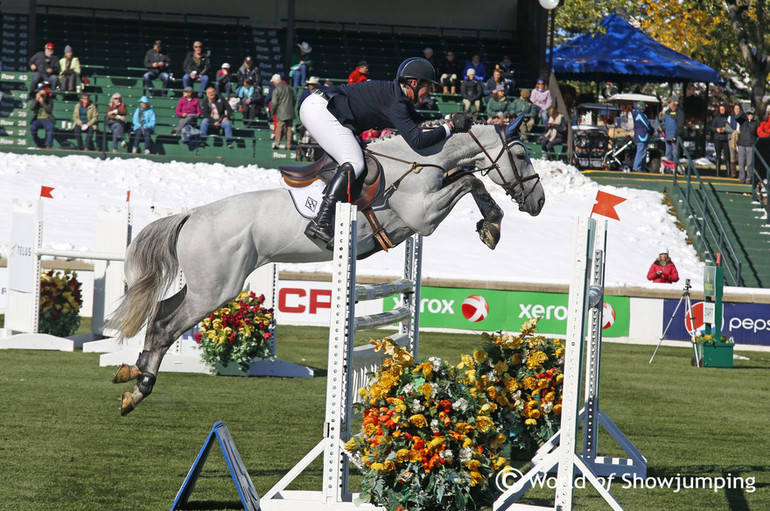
[45,191]
[128,196]
[605,204]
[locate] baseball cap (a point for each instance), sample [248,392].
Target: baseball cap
[225,66]
[663,250]
[276,78]
[471,71]
[187,89]
[49,45]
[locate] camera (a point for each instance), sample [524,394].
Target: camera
[687,284]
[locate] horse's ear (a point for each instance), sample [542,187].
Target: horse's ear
[512,131]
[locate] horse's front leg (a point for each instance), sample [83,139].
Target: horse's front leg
[489,226]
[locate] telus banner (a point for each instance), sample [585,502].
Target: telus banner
[490,310]
[746,323]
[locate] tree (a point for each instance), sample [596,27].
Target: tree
[733,41]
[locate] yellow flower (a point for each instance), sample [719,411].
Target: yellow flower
[473,464]
[377,466]
[463,428]
[426,368]
[557,409]
[483,423]
[437,441]
[399,405]
[530,422]
[350,444]
[217,324]
[466,360]
[415,455]
[501,367]
[418,420]
[388,466]
[536,359]
[476,478]
[426,389]
[402,455]
[498,463]
[479,356]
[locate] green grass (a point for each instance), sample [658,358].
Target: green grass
[64,446]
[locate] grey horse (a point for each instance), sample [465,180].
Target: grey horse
[246,231]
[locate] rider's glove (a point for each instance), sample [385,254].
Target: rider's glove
[462,122]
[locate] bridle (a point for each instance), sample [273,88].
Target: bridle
[511,188]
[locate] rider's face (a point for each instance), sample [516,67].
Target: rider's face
[424,89]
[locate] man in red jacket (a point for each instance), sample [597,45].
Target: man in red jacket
[663,269]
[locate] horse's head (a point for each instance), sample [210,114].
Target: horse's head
[507,163]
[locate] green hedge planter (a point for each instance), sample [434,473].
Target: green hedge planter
[718,354]
[234,369]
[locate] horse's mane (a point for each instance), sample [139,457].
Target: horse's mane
[395,138]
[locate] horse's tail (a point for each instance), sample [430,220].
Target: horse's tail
[151,267]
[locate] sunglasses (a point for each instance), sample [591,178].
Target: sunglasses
[197,46]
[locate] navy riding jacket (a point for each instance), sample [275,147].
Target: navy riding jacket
[377,104]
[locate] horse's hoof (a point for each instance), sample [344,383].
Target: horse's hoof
[126,404]
[125,373]
[489,233]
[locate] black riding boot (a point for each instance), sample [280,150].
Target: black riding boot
[320,228]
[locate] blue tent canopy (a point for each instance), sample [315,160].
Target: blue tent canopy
[625,54]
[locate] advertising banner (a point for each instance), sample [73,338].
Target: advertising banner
[746,323]
[490,310]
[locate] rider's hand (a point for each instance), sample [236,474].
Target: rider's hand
[462,122]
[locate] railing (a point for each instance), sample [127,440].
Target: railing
[759,188]
[701,209]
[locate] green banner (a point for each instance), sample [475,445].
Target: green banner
[490,310]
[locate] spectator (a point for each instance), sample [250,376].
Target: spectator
[498,106]
[541,98]
[249,70]
[719,131]
[673,125]
[450,73]
[662,269]
[116,120]
[360,73]
[84,118]
[45,66]
[216,111]
[188,109]
[471,90]
[69,66]
[643,131]
[763,130]
[312,84]
[144,124]
[478,67]
[224,81]
[283,109]
[196,68]
[506,67]
[493,82]
[557,131]
[42,117]
[523,105]
[746,138]
[157,63]
[428,52]
[251,100]
[300,65]
[733,132]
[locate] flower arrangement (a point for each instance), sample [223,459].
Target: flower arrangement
[712,339]
[237,332]
[60,301]
[523,375]
[428,441]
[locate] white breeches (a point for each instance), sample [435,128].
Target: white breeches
[337,140]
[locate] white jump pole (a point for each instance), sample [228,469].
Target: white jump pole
[584,328]
[347,364]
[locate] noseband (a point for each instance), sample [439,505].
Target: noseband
[518,182]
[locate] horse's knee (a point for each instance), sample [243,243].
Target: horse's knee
[145,382]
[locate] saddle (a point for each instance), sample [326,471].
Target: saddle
[363,191]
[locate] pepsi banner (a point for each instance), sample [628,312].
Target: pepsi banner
[490,310]
[746,323]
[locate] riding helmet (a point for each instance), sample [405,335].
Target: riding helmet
[416,68]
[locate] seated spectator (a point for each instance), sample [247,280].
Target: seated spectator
[251,100]
[188,109]
[523,105]
[312,84]
[283,110]
[216,112]
[428,53]
[42,117]
[144,124]
[662,269]
[498,106]
[541,98]
[471,90]
[196,68]
[491,84]
[249,70]
[506,67]
[450,73]
[360,73]
[300,65]
[224,81]
[45,66]
[69,66]
[116,120]
[157,63]
[557,131]
[478,67]
[84,119]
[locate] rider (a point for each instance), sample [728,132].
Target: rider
[335,115]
